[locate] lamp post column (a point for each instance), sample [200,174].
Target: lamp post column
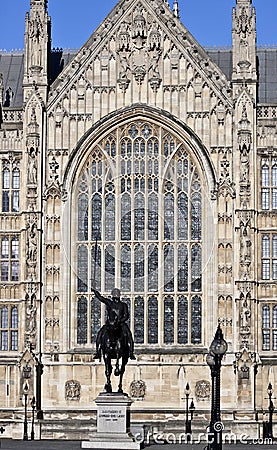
[270,411]
[217,350]
[33,404]
[25,428]
[187,409]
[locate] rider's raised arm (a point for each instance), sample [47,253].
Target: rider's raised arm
[102,299]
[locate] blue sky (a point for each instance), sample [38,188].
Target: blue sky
[74,21]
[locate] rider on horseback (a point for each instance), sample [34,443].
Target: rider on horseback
[115,307]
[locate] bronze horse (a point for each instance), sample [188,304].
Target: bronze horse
[114,345]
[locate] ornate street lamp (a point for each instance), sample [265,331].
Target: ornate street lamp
[267,426]
[25,428]
[188,427]
[217,350]
[188,409]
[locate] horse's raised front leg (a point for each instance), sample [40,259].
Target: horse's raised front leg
[117,370]
[123,365]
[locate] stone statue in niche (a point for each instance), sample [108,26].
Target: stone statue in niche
[245,314]
[36,34]
[244,50]
[155,79]
[32,167]
[244,159]
[245,249]
[124,37]
[245,241]
[30,317]
[32,245]
[31,254]
[123,79]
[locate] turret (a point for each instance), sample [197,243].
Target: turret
[37,47]
[244,41]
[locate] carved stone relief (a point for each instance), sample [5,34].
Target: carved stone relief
[138,389]
[243,363]
[244,26]
[225,186]
[202,390]
[243,23]
[72,390]
[53,187]
[139,50]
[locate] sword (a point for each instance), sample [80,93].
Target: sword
[94,268]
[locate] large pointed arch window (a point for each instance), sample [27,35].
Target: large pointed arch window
[139,206]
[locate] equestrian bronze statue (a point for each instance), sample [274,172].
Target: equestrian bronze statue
[114,340]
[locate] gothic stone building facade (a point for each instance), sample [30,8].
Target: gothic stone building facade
[145,162]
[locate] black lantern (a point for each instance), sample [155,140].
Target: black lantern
[267,426]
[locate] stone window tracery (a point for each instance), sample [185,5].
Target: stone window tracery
[9,328]
[269,257]
[269,327]
[9,258]
[10,186]
[269,183]
[143,205]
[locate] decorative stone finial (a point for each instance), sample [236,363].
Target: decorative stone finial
[176,10]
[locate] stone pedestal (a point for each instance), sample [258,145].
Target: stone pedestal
[113,424]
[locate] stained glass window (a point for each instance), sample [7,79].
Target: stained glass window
[152,320]
[140,196]
[82,269]
[196,319]
[139,320]
[183,268]
[126,270]
[82,322]
[153,263]
[96,262]
[182,320]
[109,268]
[169,268]
[95,319]
[83,217]
[168,320]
